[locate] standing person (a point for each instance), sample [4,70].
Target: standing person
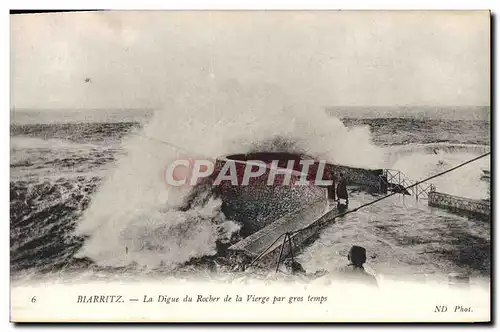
[342,191]
[355,269]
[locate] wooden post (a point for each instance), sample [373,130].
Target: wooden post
[291,247]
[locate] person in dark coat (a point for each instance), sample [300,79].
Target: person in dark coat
[355,269]
[342,191]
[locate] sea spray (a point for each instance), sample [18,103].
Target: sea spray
[136,217]
[167,237]
[464,181]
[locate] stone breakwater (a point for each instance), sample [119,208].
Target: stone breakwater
[258,203]
[461,205]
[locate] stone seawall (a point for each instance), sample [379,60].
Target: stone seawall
[266,211]
[256,243]
[465,206]
[299,241]
[259,204]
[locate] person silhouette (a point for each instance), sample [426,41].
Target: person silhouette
[342,193]
[355,269]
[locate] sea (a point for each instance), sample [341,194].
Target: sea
[86,183]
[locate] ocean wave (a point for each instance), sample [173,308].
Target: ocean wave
[436,147]
[43,215]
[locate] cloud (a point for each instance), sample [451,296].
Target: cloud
[143,59]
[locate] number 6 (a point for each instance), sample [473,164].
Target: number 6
[33,299]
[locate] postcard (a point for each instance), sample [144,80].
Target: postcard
[250,166]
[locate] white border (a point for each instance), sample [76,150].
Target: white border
[258,4]
[243,4]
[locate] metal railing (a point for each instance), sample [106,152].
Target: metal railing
[396,180]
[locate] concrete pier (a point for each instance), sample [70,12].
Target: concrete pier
[314,217]
[258,204]
[309,207]
[460,205]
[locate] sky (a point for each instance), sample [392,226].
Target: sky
[144,59]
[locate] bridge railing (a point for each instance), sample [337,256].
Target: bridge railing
[396,180]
